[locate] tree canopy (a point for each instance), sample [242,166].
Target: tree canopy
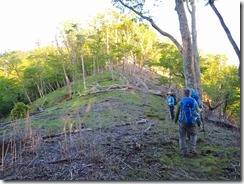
[111,42]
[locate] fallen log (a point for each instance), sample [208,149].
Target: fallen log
[103,89]
[156,92]
[222,123]
[73,132]
[142,121]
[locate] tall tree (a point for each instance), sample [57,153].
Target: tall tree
[128,40]
[62,55]
[13,61]
[185,49]
[198,84]
[73,40]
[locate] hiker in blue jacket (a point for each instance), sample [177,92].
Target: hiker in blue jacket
[171,102]
[196,97]
[187,114]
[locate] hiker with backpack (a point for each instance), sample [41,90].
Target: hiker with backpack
[171,102]
[187,114]
[196,97]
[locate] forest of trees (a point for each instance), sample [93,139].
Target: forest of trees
[110,42]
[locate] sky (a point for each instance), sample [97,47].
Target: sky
[26,22]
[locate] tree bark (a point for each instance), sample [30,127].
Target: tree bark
[83,72]
[198,84]
[187,54]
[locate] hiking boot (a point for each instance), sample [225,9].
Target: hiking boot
[192,153]
[183,153]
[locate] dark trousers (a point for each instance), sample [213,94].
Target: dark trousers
[172,113]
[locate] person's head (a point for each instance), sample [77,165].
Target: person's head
[192,90]
[187,92]
[169,93]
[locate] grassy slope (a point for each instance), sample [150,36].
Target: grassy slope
[112,117]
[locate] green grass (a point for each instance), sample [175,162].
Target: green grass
[210,165]
[52,117]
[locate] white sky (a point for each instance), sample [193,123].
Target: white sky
[24,22]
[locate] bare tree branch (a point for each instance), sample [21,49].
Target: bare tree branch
[227,31]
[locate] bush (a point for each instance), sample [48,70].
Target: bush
[20,110]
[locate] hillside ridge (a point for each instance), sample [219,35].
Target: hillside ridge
[119,134]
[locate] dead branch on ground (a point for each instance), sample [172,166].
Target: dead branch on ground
[142,121]
[148,128]
[73,132]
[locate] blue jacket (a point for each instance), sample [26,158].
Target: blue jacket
[170,100]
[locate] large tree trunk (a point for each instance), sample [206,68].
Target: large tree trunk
[188,63]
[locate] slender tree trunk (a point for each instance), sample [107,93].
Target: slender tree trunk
[64,70]
[108,52]
[49,86]
[67,79]
[39,90]
[93,65]
[26,94]
[72,55]
[83,72]
[198,84]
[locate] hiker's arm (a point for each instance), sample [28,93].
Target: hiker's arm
[177,113]
[199,122]
[198,108]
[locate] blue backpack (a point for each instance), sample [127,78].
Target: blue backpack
[188,114]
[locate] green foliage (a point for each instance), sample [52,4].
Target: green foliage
[45,73]
[170,64]
[10,92]
[111,40]
[19,111]
[220,83]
